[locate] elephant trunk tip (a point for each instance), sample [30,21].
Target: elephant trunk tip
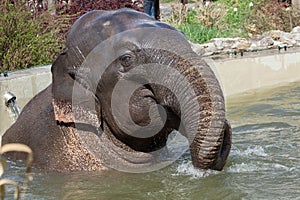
[214,157]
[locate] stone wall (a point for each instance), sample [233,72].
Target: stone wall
[270,40]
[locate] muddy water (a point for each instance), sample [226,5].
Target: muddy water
[264,162]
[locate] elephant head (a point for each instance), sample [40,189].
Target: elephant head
[144,81]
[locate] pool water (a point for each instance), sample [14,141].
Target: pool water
[264,162]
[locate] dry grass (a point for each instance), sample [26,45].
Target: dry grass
[224,18]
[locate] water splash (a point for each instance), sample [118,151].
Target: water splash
[186,168]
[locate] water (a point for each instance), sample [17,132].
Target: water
[14,109]
[264,162]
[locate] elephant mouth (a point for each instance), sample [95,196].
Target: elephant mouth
[147,92]
[139,106]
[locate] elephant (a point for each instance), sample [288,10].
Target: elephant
[121,86]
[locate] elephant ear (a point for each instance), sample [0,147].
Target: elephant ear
[62,86]
[73,101]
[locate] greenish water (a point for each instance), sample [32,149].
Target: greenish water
[264,162]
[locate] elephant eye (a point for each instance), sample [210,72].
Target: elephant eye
[127,60]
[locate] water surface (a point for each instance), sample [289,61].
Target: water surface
[264,162]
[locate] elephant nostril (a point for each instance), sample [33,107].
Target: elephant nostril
[226,144]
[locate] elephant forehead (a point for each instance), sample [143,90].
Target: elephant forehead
[97,26]
[107,23]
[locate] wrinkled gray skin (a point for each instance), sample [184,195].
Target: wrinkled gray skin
[46,123]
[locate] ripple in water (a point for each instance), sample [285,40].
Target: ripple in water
[253,150]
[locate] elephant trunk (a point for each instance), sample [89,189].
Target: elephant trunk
[211,143]
[200,106]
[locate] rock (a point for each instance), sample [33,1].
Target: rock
[226,44]
[253,47]
[274,34]
[295,34]
[198,48]
[266,42]
[243,45]
[288,39]
[296,30]
[280,37]
[219,43]
[209,48]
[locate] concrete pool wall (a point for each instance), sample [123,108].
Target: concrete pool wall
[24,84]
[257,70]
[236,74]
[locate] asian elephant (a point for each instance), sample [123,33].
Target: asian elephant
[123,83]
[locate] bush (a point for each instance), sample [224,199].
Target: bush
[80,7]
[272,15]
[26,38]
[203,22]
[256,17]
[31,36]
[201,34]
